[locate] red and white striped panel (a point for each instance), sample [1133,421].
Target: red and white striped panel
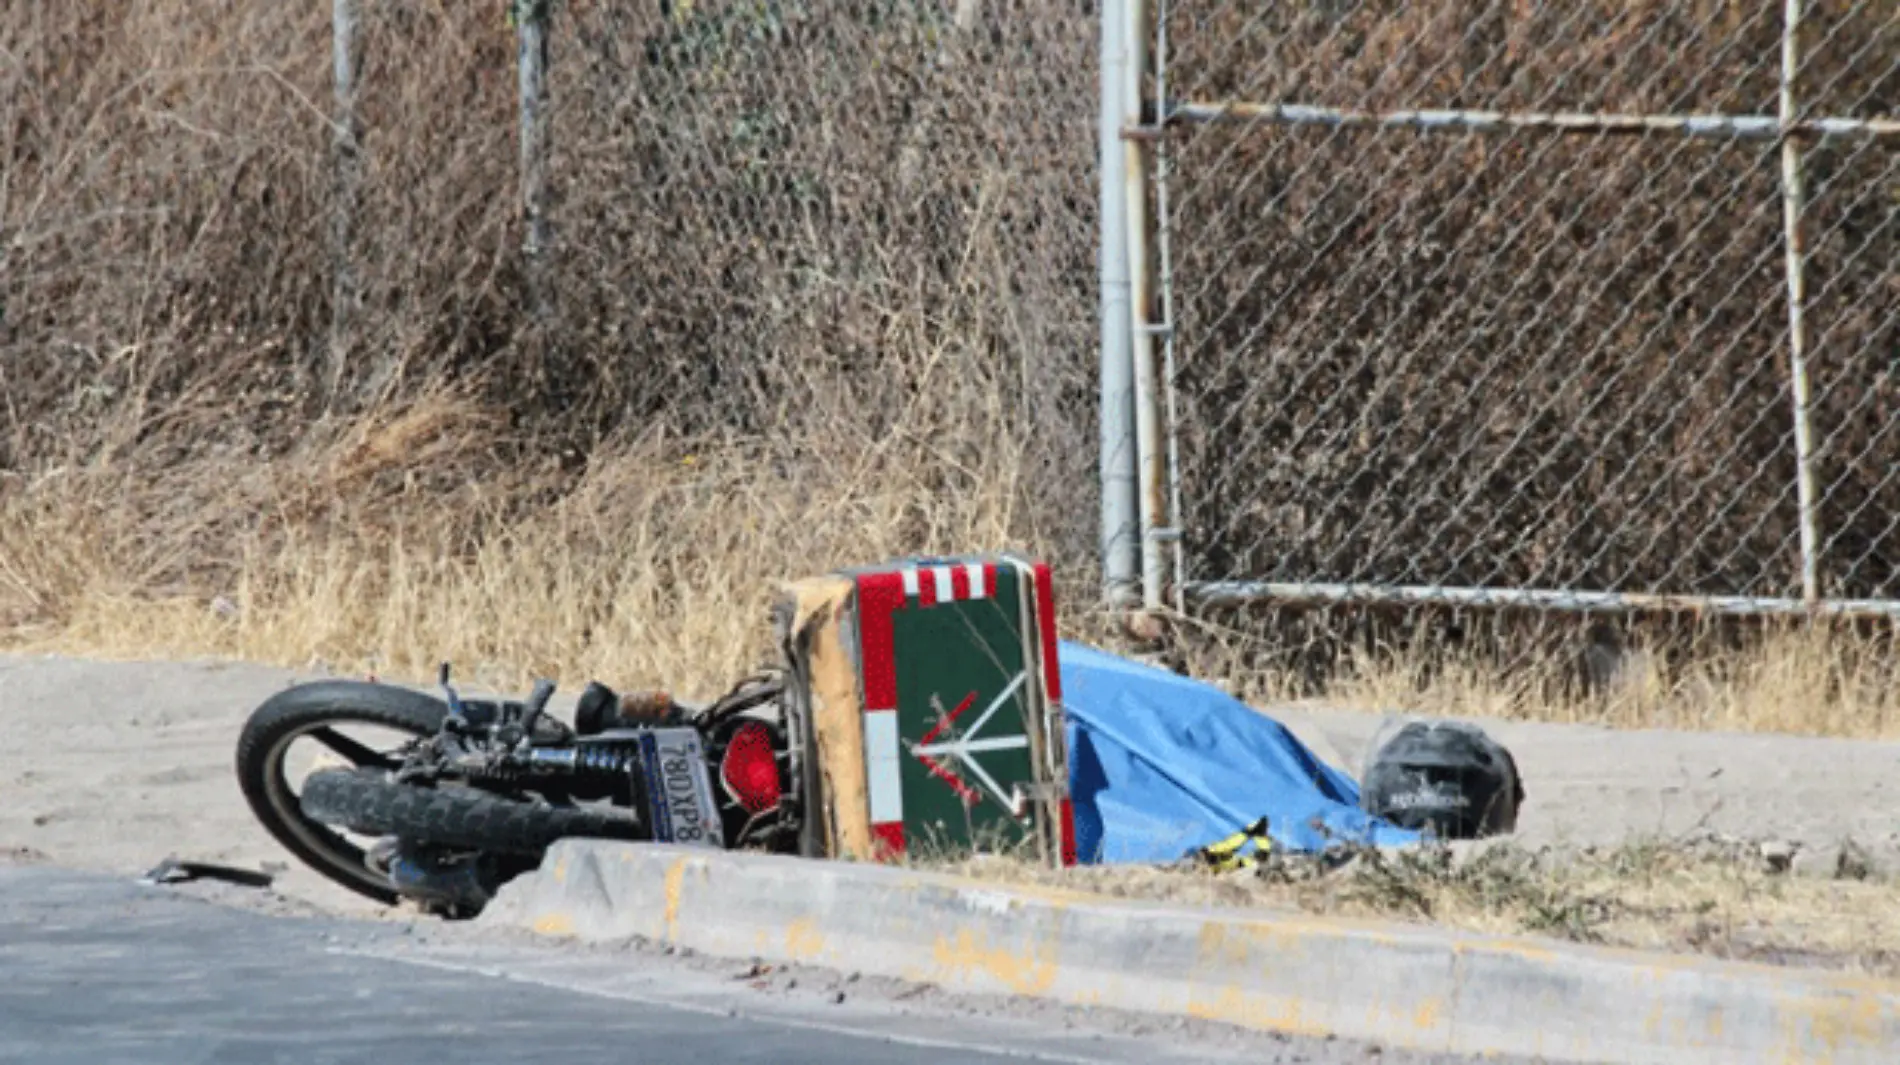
[950,583]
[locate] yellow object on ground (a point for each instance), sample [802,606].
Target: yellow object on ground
[1232,853]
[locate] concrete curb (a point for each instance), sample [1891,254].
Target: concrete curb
[1402,985]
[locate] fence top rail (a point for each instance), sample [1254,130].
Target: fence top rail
[1717,126]
[1243,593]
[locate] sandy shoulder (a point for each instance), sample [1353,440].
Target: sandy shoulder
[117,765]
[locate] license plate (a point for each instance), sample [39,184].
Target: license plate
[679,789]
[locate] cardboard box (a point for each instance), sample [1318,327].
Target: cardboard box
[933,696]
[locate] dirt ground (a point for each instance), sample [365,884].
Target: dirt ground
[115,766]
[1599,786]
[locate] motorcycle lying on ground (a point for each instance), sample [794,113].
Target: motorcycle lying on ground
[477,789]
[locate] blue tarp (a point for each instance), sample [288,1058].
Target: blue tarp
[1160,764]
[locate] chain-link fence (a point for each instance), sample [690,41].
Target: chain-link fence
[855,219]
[1592,329]
[779,208]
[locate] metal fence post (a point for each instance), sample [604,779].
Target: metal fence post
[531,40]
[1164,255]
[1119,505]
[1152,480]
[1793,197]
[346,174]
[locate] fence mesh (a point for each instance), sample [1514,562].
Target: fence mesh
[1531,359]
[767,218]
[770,210]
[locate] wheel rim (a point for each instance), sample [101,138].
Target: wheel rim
[335,848]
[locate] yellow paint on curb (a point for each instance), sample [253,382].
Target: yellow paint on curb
[675,879]
[987,936]
[1832,1022]
[968,952]
[803,941]
[1230,1005]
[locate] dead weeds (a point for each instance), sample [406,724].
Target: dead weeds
[655,563]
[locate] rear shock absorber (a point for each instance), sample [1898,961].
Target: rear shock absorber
[605,767]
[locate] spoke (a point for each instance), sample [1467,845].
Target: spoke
[357,753]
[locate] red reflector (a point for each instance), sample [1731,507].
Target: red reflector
[750,768]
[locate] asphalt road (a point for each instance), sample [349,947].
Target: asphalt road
[96,970]
[101,972]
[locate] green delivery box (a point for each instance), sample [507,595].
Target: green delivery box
[932,692]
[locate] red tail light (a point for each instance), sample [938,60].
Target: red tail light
[749,768]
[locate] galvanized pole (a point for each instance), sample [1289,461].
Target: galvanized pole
[531,51]
[1164,253]
[1117,415]
[1793,197]
[346,175]
[1152,487]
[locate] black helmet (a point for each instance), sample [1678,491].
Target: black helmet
[1447,779]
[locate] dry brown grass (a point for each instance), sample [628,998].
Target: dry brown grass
[654,564]
[1790,678]
[772,351]
[1706,895]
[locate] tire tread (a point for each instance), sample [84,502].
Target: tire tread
[370,801]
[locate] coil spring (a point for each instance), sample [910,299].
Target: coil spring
[604,761]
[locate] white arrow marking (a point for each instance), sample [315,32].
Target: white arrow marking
[964,746]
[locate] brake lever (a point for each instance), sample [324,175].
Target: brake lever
[537,702]
[448,691]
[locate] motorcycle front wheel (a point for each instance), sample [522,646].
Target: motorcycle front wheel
[319,712]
